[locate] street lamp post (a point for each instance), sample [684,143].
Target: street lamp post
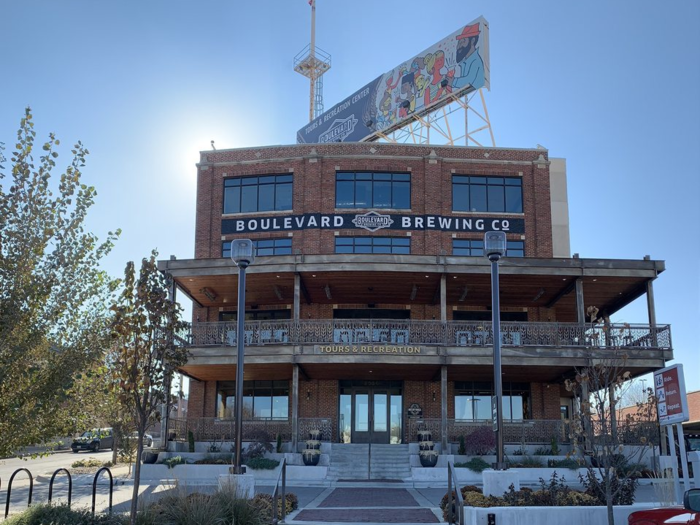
[241,254]
[495,248]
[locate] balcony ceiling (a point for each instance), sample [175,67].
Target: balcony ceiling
[415,280]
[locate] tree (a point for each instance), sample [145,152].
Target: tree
[615,439]
[54,298]
[145,350]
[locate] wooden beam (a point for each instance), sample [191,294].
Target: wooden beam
[304,291]
[564,291]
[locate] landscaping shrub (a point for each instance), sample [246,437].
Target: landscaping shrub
[474,464]
[174,461]
[190,440]
[211,460]
[480,442]
[87,463]
[262,463]
[258,446]
[569,463]
[235,510]
[595,488]
[182,509]
[462,451]
[526,462]
[44,514]
[263,504]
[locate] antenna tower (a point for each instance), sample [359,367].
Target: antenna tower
[313,62]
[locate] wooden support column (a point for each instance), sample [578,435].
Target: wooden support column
[443,298]
[651,308]
[580,305]
[297,296]
[295,407]
[443,414]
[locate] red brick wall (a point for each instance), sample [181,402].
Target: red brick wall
[544,401]
[319,398]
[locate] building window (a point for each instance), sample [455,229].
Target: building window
[263,247]
[475,248]
[262,400]
[396,245]
[490,194]
[254,194]
[373,190]
[473,401]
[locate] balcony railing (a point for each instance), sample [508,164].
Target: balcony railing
[437,333]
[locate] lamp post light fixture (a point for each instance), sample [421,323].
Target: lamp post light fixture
[495,248]
[242,253]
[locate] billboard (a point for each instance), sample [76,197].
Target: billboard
[455,66]
[671,401]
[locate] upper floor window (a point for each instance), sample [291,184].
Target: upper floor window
[373,190]
[475,248]
[490,194]
[253,194]
[263,247]
[396,245]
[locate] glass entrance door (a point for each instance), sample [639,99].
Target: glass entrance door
[370,414]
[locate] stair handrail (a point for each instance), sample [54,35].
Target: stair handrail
[281,477]
[452,478]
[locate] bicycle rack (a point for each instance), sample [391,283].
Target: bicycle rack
[70,484]
[94,488]
[9,489]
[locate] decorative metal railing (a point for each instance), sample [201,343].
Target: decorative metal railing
[529,431]
[437,333]
[217,430]
[323,424]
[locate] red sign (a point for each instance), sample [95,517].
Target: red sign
[671,401]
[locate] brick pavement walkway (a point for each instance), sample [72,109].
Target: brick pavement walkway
[368,505]
[369,497]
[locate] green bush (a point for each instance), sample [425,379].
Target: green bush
[211,460]
[190,440]
[527,462]
[262,463]
[44,514]
[474,464]
[569,463]
[462,450]
[174,461]
[279,443]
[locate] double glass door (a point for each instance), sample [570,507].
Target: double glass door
[370,414]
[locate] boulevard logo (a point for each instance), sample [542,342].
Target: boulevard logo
[372,221]
[340,129]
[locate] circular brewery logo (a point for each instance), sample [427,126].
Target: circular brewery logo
[372,221]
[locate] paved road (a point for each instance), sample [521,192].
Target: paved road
[48,464]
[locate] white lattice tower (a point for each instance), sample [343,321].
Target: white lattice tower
[313,62]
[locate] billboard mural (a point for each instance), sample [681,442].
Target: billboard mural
[455,66]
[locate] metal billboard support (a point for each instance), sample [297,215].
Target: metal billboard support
[450,125]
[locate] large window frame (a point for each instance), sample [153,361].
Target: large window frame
[263,247]
[258,194]
[475,248]
[373,245]
[472,193]
[366,189]
[473,401]
[262,400]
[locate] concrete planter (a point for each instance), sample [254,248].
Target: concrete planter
[550,515]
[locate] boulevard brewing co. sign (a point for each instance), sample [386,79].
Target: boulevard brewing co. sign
[370,221]
[671,401]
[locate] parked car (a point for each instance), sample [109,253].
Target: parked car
[688,514]
[147,439]
[93,440]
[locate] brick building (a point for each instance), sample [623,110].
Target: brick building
[368,305]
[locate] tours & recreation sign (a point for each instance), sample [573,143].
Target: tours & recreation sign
[371,221]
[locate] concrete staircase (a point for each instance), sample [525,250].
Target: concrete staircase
[352,461]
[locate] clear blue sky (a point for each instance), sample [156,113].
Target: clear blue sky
[613,87]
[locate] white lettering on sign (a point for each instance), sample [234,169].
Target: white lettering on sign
[405,222]
[480,224]
[337,221]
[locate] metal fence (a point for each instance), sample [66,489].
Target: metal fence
[531,431]
[218,430]
[438,333]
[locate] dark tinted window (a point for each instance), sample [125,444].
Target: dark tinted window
[395,245]
[475,248]
[372,190]
[489,194]
[263,247]
[254,194]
